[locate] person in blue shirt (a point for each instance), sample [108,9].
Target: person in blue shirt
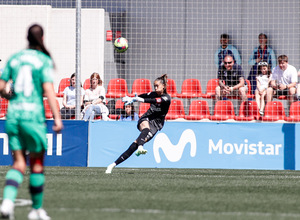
[226,49]
[129,114]
[262,53]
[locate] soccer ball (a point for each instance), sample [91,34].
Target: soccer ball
[121,44]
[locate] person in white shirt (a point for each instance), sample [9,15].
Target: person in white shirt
[94,100]
[284,80]
[262,81]
[69,99]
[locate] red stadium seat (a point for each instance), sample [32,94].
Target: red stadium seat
[171,88]
[191,88]
[249,95]
[198,110]
[143,108]
[248,111]
[119,105]
[117,88]
[211,88]
[86,84]
[223,110]
[48,112]
[141,86]
[274,111]
[65,82]
[3,106]
[294,112]
[176,110]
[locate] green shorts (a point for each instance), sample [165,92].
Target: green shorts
[26,135]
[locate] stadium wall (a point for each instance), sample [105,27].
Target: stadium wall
[60,37]
[208,145]
[200,145]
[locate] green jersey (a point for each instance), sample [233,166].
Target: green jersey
[28,70]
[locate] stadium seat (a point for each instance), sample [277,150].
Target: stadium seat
[171,88]
[211,88]
[143,108]
[86,84]
[274,111]
[176,110]
[3,106]
[249,95]
[198,110]
[191,88]
[248,111]
[294,112]
[119,105]
[48,112]
[65,82]
[117,88]
[141,86]
[223,110]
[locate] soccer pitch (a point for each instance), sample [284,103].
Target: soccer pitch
[88,193]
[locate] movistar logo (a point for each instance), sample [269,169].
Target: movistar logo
[174,152]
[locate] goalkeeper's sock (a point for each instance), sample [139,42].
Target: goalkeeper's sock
[143,137]
[36,186]
[13,179]
[127,153]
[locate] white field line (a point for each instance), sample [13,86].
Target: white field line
[158,211]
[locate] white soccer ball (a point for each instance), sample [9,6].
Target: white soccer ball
[121,44]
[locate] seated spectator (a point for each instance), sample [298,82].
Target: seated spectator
[262,53]
[263,80]
[94,99]
[226,49]
[284,80]
[69,99]
[129,114]
[231,80]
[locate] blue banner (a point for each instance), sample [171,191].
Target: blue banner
[68,148]
[198,145]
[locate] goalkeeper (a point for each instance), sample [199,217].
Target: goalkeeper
[150,122]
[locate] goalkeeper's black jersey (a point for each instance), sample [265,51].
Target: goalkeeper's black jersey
[159,106]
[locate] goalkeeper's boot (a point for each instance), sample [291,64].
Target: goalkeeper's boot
[140,151]
[7,209]
[40,214]
[110,168]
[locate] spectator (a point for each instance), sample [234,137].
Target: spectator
[129,114]
[231,80]
[284,80]
[262,53]
[263,81]
[95,99]
[69,99]
[226,49]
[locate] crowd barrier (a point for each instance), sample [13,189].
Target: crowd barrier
[68,148]
[199,145]
[226,145]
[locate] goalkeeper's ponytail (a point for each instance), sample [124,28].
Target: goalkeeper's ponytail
[163,80]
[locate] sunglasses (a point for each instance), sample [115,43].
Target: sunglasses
[227,62]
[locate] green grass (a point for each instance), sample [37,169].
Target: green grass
[88,193]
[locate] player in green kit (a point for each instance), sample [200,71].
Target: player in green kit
[31,73]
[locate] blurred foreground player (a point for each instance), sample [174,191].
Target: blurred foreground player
[150,122]
[31,72]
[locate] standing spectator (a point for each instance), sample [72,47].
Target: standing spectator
[262,53]
[31,71]
[95,99]
[129,114]
[231,80]
[263,80]
[226,49]
[284,80]
[69,99]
